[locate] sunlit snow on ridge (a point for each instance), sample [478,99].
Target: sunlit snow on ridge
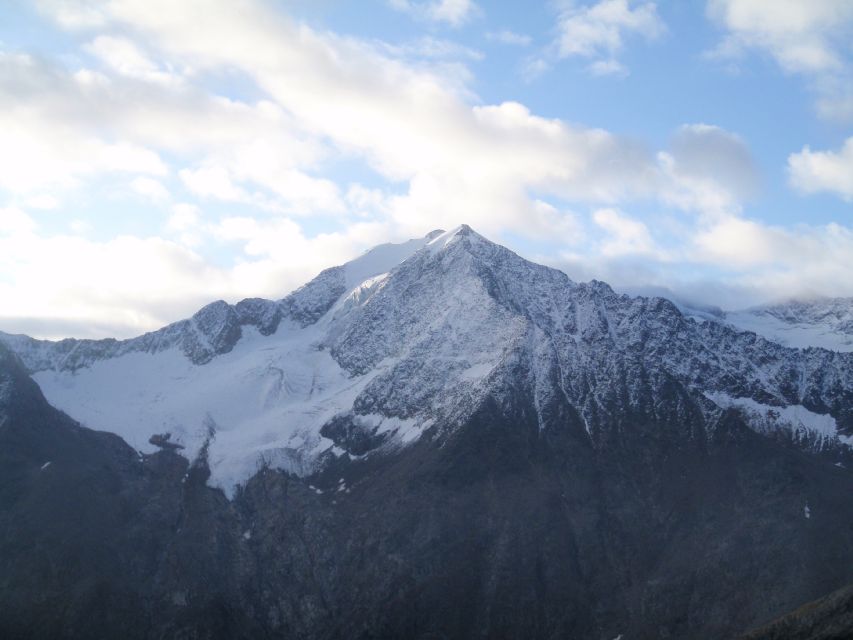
[799,335]
[267,398]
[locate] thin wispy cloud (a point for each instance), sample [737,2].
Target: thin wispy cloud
[451,12]
[598,32]
[505,36]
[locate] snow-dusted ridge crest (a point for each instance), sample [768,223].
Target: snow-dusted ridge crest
[217,327]
[411,339]
[820,322]
[826,323]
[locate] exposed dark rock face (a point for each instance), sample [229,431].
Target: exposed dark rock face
[829,618]
[498,529]
[347,432]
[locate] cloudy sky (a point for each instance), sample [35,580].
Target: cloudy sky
[159,154]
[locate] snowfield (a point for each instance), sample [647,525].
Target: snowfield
[827,324]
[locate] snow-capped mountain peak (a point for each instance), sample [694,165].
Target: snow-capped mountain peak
[411,339]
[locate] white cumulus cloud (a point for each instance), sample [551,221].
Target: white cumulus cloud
[809,37]
[625,236]
[150,188]
[830,171]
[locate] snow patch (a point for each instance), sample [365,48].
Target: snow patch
[808,330]
[381,259]
[444,240]
[477,371]
[764,417]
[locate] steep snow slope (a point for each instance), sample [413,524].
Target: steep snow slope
[412,339]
